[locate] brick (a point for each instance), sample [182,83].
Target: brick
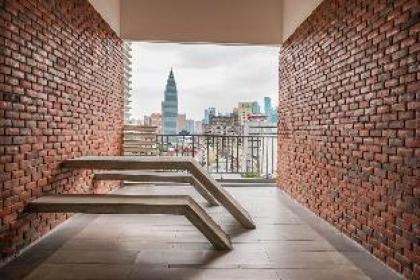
[378,162]
[39,94]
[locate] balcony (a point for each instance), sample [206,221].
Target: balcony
[289,243]
[348,145]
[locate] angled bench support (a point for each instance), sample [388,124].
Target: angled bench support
[166,163]
[135,204]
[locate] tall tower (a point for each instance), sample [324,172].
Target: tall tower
[170,106]
[208,114]
[267,106]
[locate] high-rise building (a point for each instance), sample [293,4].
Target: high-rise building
[208,114]
[235,115]
[139,140]
[255,107]
[246,108]
[170,106]
[267,106]
[269,111]
[222,125]
[274,115]
[182,122]
[147,121]
[189,126]
[155,119]
[198,127]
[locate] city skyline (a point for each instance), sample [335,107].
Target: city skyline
[247,73]
[205,117]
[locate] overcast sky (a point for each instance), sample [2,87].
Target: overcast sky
[206,76]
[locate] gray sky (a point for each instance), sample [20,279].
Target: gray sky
[206,76]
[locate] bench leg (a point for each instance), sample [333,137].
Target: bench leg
[207,226]
[218,192]
[204,192]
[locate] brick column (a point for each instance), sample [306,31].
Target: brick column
[61,97]
[349,123]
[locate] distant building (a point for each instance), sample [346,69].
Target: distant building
[267,106]
[256,117]
[189,126]
[259,124]
[208,114]
[275,115]
[270,111]
[235,116]
[221,120]
[140,140]
[182,122]
[155,119]
[198,127]
[147,120]
[256,107]
[246,108]
[222,125]
[170,106]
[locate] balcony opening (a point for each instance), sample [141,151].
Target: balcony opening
[215,103]
[348,145]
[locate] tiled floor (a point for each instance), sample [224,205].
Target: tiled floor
[289,243]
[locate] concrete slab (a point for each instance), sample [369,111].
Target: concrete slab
[163,238]
[166,163]
[144,176]
[135,204]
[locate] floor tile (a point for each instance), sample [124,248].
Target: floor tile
[322,274]
[286,245]
[93,257]
[80,272]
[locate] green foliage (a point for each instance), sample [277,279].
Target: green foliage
[251,175]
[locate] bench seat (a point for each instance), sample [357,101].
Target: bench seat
[150,176]
[166,163]
[135,204]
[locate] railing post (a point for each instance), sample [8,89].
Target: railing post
[217,154]
[258,155]
[182,145]
[193,147]
[237,155]
[208,152]
[266,159]
[272,155]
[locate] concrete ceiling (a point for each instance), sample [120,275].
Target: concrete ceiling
[266,22]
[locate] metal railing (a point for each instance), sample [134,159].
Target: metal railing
[250,156]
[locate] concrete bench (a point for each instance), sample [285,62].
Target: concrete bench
[135,204]
[144,176]
[166,163]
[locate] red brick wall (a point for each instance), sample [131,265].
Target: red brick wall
[349,143]
[61,97]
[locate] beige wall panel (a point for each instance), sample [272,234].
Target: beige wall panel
[110,12]
[294,13]
[216,21]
